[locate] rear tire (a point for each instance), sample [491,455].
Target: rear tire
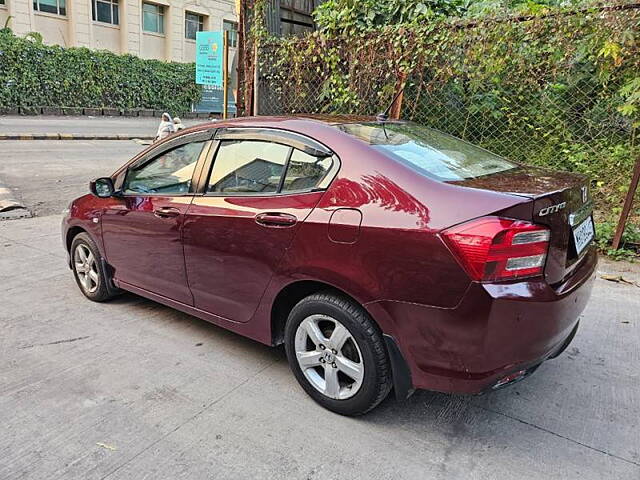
[88,269]
[337,354]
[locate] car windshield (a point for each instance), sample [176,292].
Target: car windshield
[428,151]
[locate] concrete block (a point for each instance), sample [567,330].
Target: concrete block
[51,111]
[9,110]
[30,110]
[71,111]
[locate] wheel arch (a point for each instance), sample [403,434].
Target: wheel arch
[72,233]
[290,295]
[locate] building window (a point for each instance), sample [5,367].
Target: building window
[232,28]
[192,23]
[1,2]
[152,18]
[50,6]
[106,11]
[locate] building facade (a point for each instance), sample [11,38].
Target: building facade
[158,29]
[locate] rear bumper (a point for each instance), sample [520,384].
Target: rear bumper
[495,331]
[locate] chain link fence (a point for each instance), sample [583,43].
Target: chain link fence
[550,90]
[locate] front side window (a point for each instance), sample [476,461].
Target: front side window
[232,28]
[152,18]
[169,173]
[50,6]
[192,23]
[106,11]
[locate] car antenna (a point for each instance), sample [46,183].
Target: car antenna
[384,116]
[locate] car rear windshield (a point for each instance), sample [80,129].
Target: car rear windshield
[428,151]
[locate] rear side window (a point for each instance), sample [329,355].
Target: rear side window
[429,152]
[305,171]
[243,166]
[246,167]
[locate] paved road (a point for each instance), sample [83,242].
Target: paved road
[45,175]
[18,124]
[133,389]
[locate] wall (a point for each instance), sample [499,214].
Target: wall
[106,37]
[78,29]
[53,28]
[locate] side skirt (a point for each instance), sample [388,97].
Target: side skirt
[247,329]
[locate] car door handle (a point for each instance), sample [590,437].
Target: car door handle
[166,212]
[276,220]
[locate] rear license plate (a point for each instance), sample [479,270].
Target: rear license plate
[583,234]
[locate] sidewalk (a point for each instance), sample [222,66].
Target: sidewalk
[17,127]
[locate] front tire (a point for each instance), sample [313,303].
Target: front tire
[337,354]
[88,269]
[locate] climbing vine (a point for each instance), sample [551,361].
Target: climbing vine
[558,87]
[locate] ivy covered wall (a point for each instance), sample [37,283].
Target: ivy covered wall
[33,74]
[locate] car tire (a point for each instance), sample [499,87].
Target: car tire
[349,378]
[89,270]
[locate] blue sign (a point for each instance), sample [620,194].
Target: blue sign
[209,52]
[212,101]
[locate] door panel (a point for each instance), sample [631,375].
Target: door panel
[142,238]
[232,248]
[142,228]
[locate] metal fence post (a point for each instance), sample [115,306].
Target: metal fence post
[628,202]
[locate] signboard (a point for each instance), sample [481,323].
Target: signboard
[212,101]
[209,53]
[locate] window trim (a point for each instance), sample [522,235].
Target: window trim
[290,139]
[120,175]
[236,30]
[94,12]
[201,21]
[41,12]
[160,7]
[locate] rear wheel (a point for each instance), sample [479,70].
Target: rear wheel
[88,269]
[337,354]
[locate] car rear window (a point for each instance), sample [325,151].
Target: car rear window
[428,151]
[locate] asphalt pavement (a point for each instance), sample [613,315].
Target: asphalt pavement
[133,389]
[99,125]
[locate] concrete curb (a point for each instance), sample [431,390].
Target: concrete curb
[10,208]
[71,136]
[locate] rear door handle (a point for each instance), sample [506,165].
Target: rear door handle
[166,212]
[276,219]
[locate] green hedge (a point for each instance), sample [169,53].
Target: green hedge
[33,74]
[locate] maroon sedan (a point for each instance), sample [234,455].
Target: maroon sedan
[382,254]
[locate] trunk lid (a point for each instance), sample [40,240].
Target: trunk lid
[559,200]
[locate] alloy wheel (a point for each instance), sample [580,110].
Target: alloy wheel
[329,356]
[86,268]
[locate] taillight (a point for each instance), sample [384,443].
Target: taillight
[492,248]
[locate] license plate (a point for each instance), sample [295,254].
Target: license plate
[583,234]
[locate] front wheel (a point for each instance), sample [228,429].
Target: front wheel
[337,354]
[88,269]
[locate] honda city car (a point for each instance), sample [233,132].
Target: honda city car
[384,255]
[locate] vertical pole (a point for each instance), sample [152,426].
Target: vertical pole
[256,87]
[225,73]
[628,202]
[398,94]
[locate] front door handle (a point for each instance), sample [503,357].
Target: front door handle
[166,212]
[276,219]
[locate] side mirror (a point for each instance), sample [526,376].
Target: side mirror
[102,187]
